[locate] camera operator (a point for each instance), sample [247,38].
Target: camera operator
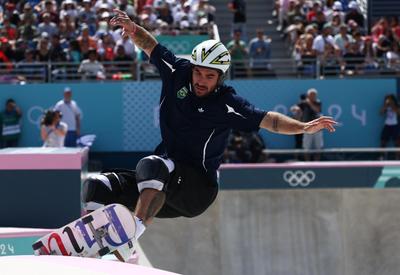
[311,109]
[390,131]
[10,124]
[52,129]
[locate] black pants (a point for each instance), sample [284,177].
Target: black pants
[189,192]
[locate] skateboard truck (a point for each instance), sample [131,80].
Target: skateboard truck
[98,235]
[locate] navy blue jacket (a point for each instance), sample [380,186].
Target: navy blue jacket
[195,130]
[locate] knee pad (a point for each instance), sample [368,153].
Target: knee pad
[102,188]
[111,187]
[152,172]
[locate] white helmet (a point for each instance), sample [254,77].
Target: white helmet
[211,54]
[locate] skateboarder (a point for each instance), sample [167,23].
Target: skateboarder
[197,113]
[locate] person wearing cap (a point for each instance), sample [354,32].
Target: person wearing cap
[237,48]
[87,15]
[203,9]
[354,13]
[295,15]
[47,26]
[71,116]
[148,14]
[27,14]
[312,13]
[68,9]
[86,41]
[260,53]
[186,15]
[50,8]
[337,8]
[102,6]
[336,23]
[197,112]
[330,8]
[343,39]
[320,41]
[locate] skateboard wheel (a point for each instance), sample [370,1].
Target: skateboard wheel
[87,219]
[104,251]
[37,245]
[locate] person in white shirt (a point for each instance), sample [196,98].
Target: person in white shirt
[71,115]
[320,42]
[91,68]
[391,111]
[53,130]
[128,44]
[343,39]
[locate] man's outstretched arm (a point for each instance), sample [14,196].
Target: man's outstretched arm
[140,36]
[281,124]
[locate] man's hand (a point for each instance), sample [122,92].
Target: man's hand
[141,37]
[320,123]
[122,19]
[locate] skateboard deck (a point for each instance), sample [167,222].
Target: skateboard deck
[96,234]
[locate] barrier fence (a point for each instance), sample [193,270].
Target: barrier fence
[314,175]
[55,72]
[371,153]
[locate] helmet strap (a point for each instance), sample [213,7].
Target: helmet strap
[221,79]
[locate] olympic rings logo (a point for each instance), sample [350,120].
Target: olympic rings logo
[299,178]
[178,47]
[35,114]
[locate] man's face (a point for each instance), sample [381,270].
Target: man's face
[327,31]
[85,32]
[204,80]
[237,35]
[92,56]
[67,96]
[312,96]
[10,106]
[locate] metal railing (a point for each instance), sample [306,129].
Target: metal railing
[367,154]
[37,72]
[315,68]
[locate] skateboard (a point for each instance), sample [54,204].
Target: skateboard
[108,229]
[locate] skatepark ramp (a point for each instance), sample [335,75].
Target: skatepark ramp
[16,249]
[61,265]
[279,219]
[298,231]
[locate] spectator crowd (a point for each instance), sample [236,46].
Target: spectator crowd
[78,31]
[336,33]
